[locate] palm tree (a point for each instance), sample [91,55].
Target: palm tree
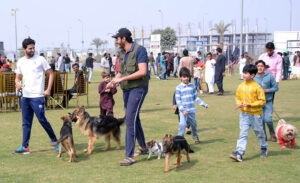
[97,42]
[221,28]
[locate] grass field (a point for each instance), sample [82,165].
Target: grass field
[218,129]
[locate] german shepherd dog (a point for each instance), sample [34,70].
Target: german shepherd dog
[175,145]
[97,126]
[66,138]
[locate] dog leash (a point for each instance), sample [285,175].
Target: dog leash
[55,101]
[277,115]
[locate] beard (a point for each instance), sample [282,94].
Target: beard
[121,45]
[30,53]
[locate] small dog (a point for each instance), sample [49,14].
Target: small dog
[97,126]
[154,148]
[286,133]
[175,145]
[66,139]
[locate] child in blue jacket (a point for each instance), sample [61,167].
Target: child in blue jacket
[268,83]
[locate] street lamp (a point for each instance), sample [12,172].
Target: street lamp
[14,13]
[82,40]
[291,15]
[162,18]
[241,36]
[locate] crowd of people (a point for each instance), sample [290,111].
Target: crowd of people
[132,67]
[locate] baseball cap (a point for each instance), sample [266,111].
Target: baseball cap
[123,32]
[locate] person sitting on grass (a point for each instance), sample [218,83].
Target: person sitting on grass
[250,98]
[269,85]
[186,94]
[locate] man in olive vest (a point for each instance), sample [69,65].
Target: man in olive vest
[134,82]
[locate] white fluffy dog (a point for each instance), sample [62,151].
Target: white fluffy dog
[155,148]
[285,133]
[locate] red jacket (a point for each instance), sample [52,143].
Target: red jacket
[283,141]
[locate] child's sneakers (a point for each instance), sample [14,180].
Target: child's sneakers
[22,150]
[236,156]
[264,152]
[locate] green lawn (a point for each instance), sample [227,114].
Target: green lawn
[218,129]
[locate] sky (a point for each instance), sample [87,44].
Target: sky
[49,21]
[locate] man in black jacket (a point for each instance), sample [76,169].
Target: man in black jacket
[220,71]
[90,64]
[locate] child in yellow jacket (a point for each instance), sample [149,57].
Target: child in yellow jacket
[250,98]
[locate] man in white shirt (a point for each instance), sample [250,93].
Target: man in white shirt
[32,68]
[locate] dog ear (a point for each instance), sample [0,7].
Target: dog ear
[63,118]
[170,137]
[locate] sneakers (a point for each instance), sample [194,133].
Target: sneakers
[56,148]
[236,156]
[197,141]
[22,150]
[264,152]
[53,143]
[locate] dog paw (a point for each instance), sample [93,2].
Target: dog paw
[166,171]
[85,150]
[118,148]
[283,147]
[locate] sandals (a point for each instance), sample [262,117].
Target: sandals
[126,162]
[197,141]
[140,152]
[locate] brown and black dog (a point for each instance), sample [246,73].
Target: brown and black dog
[66,138]
[175,145]
[97,126]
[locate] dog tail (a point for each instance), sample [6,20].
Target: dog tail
[281,122]
[59,140]
[190,150]
[121,120]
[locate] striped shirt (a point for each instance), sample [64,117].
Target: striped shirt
[250,92]
[186,95]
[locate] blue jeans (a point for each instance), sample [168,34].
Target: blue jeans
[133,100]
[247,121]
[157,70]
[163,72]
[187,120]
[197,83]
[90,70]
[267,117]
[30,106]
[67,68]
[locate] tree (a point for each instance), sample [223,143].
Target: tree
[221,28]
[97,42]
[168,37]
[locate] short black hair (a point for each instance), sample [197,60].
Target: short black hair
[58,54]
[184,72]
[27,42]
[185,52]
[270,45]
[199,52]
[76,64]
[285,54]
[260,61]
[219,50]
[251,69]
[90,54]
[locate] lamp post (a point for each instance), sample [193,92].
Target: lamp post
[14,13]
[291,15]
[82,40]
[162,18]
[241,36]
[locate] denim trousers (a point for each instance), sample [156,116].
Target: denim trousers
[133,100]
[184,121]
[267,117]
[197,83]
[67,68]
[90,70]
[29,107]
[163,72]
[247,121]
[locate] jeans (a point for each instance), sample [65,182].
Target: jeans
[267,117]
[247,121]
[184,121]
[133,100]
[197,83]
[30,106]
[90,70]
[152,68]
[163,72]
[67,68]
[285,72]
[175,71]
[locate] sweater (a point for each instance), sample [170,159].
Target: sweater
[267,81]
[249,92]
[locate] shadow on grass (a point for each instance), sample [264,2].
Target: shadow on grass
[206,129]
[271,153]
[98,148]
[155,109]
[184,165]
